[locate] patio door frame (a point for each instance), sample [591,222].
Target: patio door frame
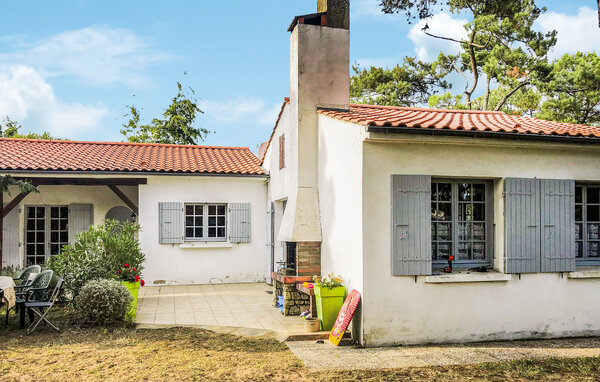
[47,230]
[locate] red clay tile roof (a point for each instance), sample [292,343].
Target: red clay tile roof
[40,155]
[466,120]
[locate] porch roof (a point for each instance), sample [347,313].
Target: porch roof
[51,155]
[481,122]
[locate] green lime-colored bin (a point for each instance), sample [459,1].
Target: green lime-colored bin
[329,303]
[133,288]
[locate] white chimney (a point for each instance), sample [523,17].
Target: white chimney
[319,78]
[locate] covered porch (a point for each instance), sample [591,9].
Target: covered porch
[34,226]
[247,306]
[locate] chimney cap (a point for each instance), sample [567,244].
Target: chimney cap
[319,18]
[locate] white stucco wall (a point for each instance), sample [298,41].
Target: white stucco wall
[101,197]
[172,264]
[340,193]
[404,310]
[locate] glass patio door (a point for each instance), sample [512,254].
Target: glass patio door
[46,231]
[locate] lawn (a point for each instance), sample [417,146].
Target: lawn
[195,354]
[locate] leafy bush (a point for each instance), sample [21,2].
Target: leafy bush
[97,254]
[103,302]
[10,271]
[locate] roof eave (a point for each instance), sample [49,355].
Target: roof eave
[483,134]
[140,173]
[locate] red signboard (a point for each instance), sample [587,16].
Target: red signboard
[344,317]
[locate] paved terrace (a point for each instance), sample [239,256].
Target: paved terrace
[246,306]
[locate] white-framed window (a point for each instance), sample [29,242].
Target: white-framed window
[587,224]
[461,222]
[205,222]
[46,231]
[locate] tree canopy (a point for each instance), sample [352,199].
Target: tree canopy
[10,129]
[503,61]
[6,181]
[176,125]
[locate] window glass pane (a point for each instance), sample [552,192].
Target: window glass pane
[479,212]
[464,192]
[64,237]
[212,221]
[41,212]
[40,224]
[478,231]
[465,211]
[479,192]
[30,237]
[54,212]
[30,249]
[443,211]
[54,249]
[64,212]
[189,232]
[212,210]
[54,224]
[198,221]
[464,251]
[444,231]
[221,232]
[63,224]
[444,192]
[464,231]
[198,232]
[433,231]
[578,213]
[478,251]
[444,250]
[578,231]
[593,229]
[212,232]
[189,209]
[593,195]
[53,237]
[579,249]
[30,224]
[434,251]
[39,249]
[221,210]
[594,249]
[30,212]
[221,220]
[592,214]
[578,194]
[40,237]
[199,209]
[189,221]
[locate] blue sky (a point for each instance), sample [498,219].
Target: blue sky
[72,67]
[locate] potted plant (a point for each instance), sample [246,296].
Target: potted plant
[130,277]
[330,293]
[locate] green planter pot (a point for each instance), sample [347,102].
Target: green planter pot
[329,303]
[133,288]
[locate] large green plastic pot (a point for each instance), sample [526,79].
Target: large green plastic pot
[329,303]
[133,288]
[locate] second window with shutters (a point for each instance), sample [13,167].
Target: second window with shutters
[461,222]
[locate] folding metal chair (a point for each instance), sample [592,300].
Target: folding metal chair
[41,308]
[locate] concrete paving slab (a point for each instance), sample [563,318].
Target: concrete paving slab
[325,356]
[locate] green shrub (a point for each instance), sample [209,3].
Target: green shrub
[97,254]
[103,302]
[10,271]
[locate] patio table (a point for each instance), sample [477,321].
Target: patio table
[8,287]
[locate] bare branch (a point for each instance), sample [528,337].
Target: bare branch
[468,43]
[486,97]
[473,60]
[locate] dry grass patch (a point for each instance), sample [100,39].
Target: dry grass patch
[179,354]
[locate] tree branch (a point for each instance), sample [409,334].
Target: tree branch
[509,94]
[468,43]
[473,60]
[486,97]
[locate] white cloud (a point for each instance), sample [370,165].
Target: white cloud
[99,55]
[443,24]
[363,10]
[26,97]
[578,32]
[240,110]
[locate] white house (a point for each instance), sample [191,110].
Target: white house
[379,195]
[201,209]
[387,193]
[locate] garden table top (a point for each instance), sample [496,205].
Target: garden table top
[8,286]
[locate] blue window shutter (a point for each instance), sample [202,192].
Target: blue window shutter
[239,222]
[10,237]
[170,222]
[558,225]
[522,225]
[81,217]
[411,225]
